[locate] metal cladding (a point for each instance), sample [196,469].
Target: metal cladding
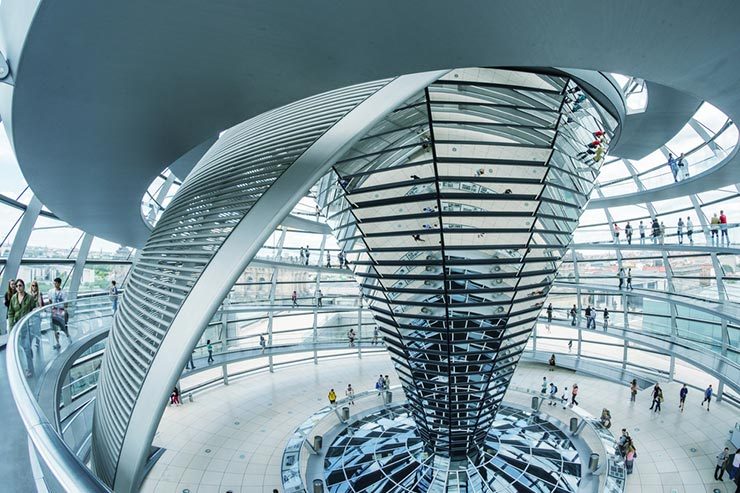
[225,185]
[455,212]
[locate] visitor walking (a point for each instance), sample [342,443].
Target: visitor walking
[294,298]
[551,362]
[113,295]
[616,233]
[307,252]
[175,397]
[319,298]
[328,260]
[628,233]
[657,400]
[735,468]
[592,320]
[606,318]
[641,228]
[707,397]
[553,398]
[633,390]
[263,343]
[629,279]
[21,304]
[59,314]
[629,457]
[682,397]
[573,314]
[35,322]
[570,345]
[209,348]
[350,394]
[656,391]
[679,230]
[191,363]
[332,397]
[549,314]
[386,382]
[573,395]
[340,259]
[620,275]
[375,335]
[379,384]
[351,337]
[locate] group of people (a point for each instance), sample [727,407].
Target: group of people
[658,398]
[679,166]
[621,276]
[718,228]
[318,296]
[20,301]
[549,390]
[381,385]
[349,393]
[590,314]
[305,256]
[626,449]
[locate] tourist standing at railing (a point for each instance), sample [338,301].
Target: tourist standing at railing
[690,230]
[59,314]
[303,256]
[332,397]
[714,227]
[606,318]
[294,298]
[723,228]
[683,165]
[616,233]
[629,279]
[662,232]
[674,167]
[113,295]
[549,315]
[35,322]
[679,230]
[319,298]
[8,295]
[340,259]
[656,231]
[628,233]
[641,228]
[587,313]
[620,275]
[21,304]
[629,457]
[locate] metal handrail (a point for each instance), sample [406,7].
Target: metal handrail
[67,469]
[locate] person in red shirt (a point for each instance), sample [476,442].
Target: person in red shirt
[723,228]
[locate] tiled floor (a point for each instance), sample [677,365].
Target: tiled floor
[232,438]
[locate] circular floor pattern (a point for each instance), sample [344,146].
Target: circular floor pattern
[383,452]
